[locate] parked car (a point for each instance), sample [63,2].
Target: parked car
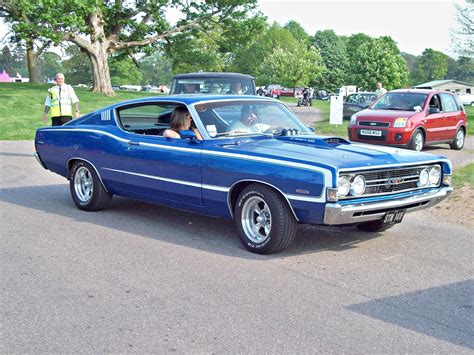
[357,102]
[268,179]
[412,119]
[466,99]
[213,83]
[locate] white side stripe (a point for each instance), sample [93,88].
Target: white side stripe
[174,181]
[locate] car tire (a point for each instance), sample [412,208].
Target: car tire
[459,140]
[264,220]
[417,141]
[87,190]
[374,226]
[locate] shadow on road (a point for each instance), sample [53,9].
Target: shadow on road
[444,313]
[175,226]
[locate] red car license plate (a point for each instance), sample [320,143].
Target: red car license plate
[370,132]
[395,216]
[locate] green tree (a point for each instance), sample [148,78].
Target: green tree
[248,59]
[105,28]
[123,71]
[461,69]
[14,13]
[334,55]
[156,69]
[12,60]
[295,66]
[297,31]
[432,65]
[50,64]
[375,60]
[77,68]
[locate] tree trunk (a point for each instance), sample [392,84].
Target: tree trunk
[32,59]
[100,69]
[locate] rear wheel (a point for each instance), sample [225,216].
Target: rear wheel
[417,141]
[264,220]
[458,141]
[374,226]
[87,190]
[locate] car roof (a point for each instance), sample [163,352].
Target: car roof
[420,91]
[212,75]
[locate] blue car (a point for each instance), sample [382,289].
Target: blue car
[247,158]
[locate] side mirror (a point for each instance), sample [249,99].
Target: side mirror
[433,110]
[187,134]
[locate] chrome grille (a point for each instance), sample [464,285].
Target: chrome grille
[374,124]
[389,181]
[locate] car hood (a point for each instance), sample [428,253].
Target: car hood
[327,152]
[387,114]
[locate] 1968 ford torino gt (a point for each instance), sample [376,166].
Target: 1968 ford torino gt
[268,173]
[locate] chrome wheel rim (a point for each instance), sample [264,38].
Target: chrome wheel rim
[83,184]
[256,219]
[419,142]
[460,138]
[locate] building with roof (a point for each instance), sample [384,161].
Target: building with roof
[4,77]
[459,87]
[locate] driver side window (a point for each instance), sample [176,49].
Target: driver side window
[435,102]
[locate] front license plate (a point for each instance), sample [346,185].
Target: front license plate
[395,216]
[370,132]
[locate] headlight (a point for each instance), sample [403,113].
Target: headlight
[353,120]
[400,122]
[435,175]
[424,178]
[358,186]
[344,185]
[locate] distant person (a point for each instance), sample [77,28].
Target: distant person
[191,89]
[248,122]
[236,88]
[181,120]
[380,89]
[59,101]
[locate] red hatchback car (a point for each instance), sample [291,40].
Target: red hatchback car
[411,119]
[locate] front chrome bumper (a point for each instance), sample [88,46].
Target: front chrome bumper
[360,212]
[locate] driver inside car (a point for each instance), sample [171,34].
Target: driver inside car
[248,122]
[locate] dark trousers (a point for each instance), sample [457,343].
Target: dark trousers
[60,120]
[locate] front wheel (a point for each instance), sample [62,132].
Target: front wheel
[458,141]
[87,190]
[264,220]
[417,141]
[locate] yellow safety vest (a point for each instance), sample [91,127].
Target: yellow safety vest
[60,106]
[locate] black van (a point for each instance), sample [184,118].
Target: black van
[213,83]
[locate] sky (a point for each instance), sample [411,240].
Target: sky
[414,25]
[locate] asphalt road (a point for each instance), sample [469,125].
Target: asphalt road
[149,279]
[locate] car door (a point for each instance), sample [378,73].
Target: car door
[433,121]
[156,166]
[452,115]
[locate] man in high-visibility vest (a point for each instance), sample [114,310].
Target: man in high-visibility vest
[59,101]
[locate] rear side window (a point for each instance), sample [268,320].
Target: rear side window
[449,103]
[149,118]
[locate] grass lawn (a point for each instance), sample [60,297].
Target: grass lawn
[22,106]
[464,175]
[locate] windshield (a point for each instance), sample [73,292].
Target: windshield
[209,85]
[237,118]
[401,101]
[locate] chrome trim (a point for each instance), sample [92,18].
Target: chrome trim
[421,163]
[260,182]
[344,214]
[36,155]
[87,161]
